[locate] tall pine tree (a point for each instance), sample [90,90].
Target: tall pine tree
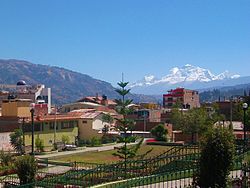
[125,126]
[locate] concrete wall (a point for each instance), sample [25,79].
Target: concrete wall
[5,142]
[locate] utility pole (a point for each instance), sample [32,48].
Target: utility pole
[55,128]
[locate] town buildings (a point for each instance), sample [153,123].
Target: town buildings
[36,93]
[184,97]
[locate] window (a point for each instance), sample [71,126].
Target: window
[37,127]
[28,127]
[68,125]
[51,126]
[84,122]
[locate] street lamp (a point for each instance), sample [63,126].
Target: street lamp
[32,110]
[245,106]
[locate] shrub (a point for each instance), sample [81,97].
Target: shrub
[16,140]
[95,141]
[5,158]
[159,132]
[26,168]
[65,139]
[108,138]
[216,158]
[39,144]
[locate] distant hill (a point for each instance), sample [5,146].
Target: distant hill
[67,86]
[224,92]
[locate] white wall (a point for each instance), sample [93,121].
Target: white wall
[97,124]
[5,142]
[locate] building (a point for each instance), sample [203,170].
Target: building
[102,100]
[83,124]
[152,106]
[145,115]
[237,127]
[16,108]
[79,105]
[49,128]
[229,109]
[186,98]
[90,123]
[36,93]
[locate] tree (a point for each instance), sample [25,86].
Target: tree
[195,121]
[176,118]
[26,167]
[159,132]
[217,153]
[125,126]
[16,140]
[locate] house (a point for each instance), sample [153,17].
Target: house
[49,128]
[237,126]
[90,123]
[78,105]
[185,97]
[102,100]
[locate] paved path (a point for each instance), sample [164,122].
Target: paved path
[61,169]
[87,149]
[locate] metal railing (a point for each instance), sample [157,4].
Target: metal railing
[174,168]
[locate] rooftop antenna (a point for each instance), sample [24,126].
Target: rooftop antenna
[122,77]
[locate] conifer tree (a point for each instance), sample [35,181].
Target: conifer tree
[125,125]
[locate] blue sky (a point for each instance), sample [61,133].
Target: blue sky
[103,38]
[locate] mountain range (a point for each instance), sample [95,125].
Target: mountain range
[188,76]
[67,86]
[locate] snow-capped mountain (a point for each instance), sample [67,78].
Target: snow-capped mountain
[186,76]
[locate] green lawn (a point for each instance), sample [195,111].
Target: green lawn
[106,156]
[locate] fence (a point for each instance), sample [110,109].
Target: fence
[173,168]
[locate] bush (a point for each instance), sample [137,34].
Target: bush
[5,158]
[65,139]
[216,159]
[39,144]
[95,142]
[159,132]
[26,168]
[82,143]
[16,140]
[107,138]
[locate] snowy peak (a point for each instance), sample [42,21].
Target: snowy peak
[187,73]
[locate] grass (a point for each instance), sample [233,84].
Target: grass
[106,156]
